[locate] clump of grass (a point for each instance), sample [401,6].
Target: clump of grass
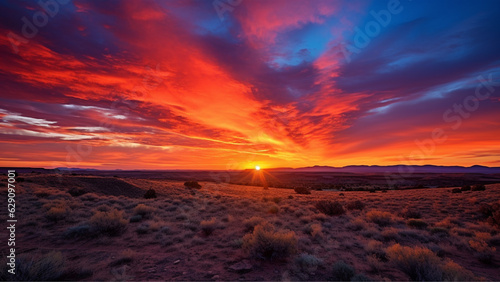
[135,218]
[77,191]
[466,188]
[478,187]
[302,190]
[357,224]
[144,210]
[267,243]
[252,222]
[48,267]
[307,263]
[150,194]
[277,200]
[454,272]
[420,264]
[439,230]
[483,252]
[411,213]
[110,223]
[126,256]
[417,223]
[330,208]
[314,230]
[380,217]
[341,271]
[274,209]
[375,248]
[78,231]
[491,213]
[208,226]
[355,205]
[56,213]
[192,184]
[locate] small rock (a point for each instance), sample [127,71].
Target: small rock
[215,277]
[241,267]
[177,261]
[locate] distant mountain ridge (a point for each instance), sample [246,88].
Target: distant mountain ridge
[395,169]
[346,169]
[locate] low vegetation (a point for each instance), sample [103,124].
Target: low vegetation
[109,223]
[355,205]
[302,190]
[192,184]
[208,226]
[150,194]
[267,243]
[330,208]
[381,218]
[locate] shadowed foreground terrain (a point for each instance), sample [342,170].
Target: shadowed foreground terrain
[78,227]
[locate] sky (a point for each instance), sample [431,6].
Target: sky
[230,84]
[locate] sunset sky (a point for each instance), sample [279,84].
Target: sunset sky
[231,84]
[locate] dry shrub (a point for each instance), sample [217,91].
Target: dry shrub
[110,223]
[355,205]
[380,217]
[341,271]
[192,184]
[465,188]
[456,190]
[150,194]
[314,230]
[56,213]
[376,248]
[454,272]
[330,208]
[302,190]
[144,210]
[420,264]
[208,226]
[417,223]
[411,213]
[267,243]
[478,187]
[357,224]
[48,267]
[491,213]
[483,251]
[306,263]
[77,191]
[126,256]
[274,209]
[252,222]
[57,210]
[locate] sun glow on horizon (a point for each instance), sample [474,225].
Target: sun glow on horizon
[257,167]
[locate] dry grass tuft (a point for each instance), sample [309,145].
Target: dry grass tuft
[208,226]
[381,218]
[267,243]
[110,223]
[330,208]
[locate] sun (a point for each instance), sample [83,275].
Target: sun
[257,167]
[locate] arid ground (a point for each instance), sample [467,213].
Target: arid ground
[78,227]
